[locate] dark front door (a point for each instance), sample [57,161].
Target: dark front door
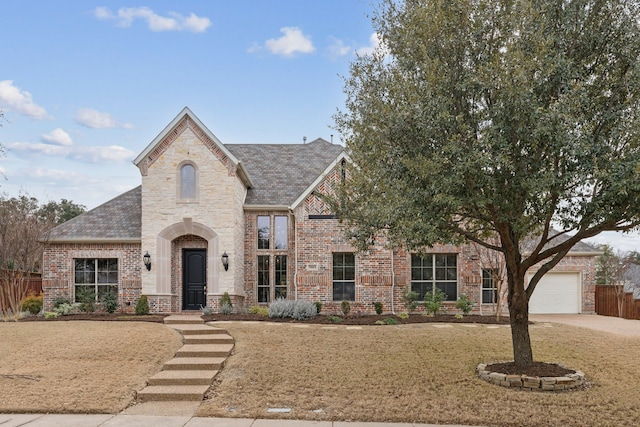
[194,279]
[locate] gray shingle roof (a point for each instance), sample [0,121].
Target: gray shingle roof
[119,219]
[282,172]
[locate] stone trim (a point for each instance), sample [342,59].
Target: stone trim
[532,383]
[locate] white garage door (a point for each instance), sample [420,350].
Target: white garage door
[556,293]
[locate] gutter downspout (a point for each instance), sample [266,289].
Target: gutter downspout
[295,254]
[393,283]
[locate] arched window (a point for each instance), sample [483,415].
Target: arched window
[188,182]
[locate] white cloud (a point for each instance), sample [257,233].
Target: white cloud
[292,42]
[99,154]
[375,44]
[338,48]
[173,22]
[94,119]
[11,97]
[58,137]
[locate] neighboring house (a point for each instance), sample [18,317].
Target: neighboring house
[249,220]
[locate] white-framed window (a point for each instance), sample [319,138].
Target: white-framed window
[96,275]
[435,271]
[489,288]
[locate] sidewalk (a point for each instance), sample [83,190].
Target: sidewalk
[41,420]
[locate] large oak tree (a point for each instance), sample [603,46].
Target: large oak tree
[508,118]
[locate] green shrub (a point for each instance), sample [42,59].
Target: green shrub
[63,309]
[226,299]
[318,306]
[433,301]
[32,303]
[142,307]
[403,315]
[335,319]
[391,321]
[409,298]
[226,308]
[464,304]
[345,307]
[50,315]
[259,310]
[378,307]
[61,300]
[380,322]
[87,298]
[110,302]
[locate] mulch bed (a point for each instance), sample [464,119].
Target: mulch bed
[538,369]
[118,317]
[364,319]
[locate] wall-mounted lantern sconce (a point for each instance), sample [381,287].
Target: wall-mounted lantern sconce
[225,261]
[147,261]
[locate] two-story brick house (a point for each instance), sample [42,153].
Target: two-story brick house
[248,220]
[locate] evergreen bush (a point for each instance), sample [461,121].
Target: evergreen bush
[32,303]
[345,307]
[142,307]
[110,302]
[378,306]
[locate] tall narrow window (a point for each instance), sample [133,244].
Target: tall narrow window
[489,288]
[264,231]
[280,232]
[281,276]
[264,289]
[188,182]
[435,271]
[344,277]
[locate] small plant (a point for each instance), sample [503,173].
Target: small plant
[61,300]
[226,299]
[391,321]
[409,299]
[403,315]
[378,307]
[226,308]
[32,303]
[380,322]
[259,310]
[318,306]
[87,298]
[459,316]
[50,315]
[297,310]
[206,311]
[142,307]
[464,304]
[63,309]
[345,307]
[110,301]
[433,301]
[335,319]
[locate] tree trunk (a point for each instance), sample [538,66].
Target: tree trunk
[519,319]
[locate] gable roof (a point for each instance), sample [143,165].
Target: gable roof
[118,220]
[282,172]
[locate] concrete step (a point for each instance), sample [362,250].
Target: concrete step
[183,319]
[208,339]
[177,377]
[192,329]
[172,392]
[194,363]
[204,350]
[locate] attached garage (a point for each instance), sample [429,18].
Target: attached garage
[557,293]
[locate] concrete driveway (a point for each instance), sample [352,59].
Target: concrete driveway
[614,325]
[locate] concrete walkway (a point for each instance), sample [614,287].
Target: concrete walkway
[38,420]
[613,325]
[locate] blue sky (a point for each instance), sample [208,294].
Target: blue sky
[85,85]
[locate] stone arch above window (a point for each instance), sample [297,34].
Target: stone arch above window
[187,182]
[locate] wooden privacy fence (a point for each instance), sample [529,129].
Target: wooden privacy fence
[34,285]
[607,303]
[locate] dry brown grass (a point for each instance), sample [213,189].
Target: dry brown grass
[79,367]
[421,373]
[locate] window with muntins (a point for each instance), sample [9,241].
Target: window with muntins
[344,277]
[281,276]
[264,284]
[489,288]
[435,271]
[264,232]
[188,182]
[98,276]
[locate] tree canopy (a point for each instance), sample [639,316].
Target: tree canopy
[479,118]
